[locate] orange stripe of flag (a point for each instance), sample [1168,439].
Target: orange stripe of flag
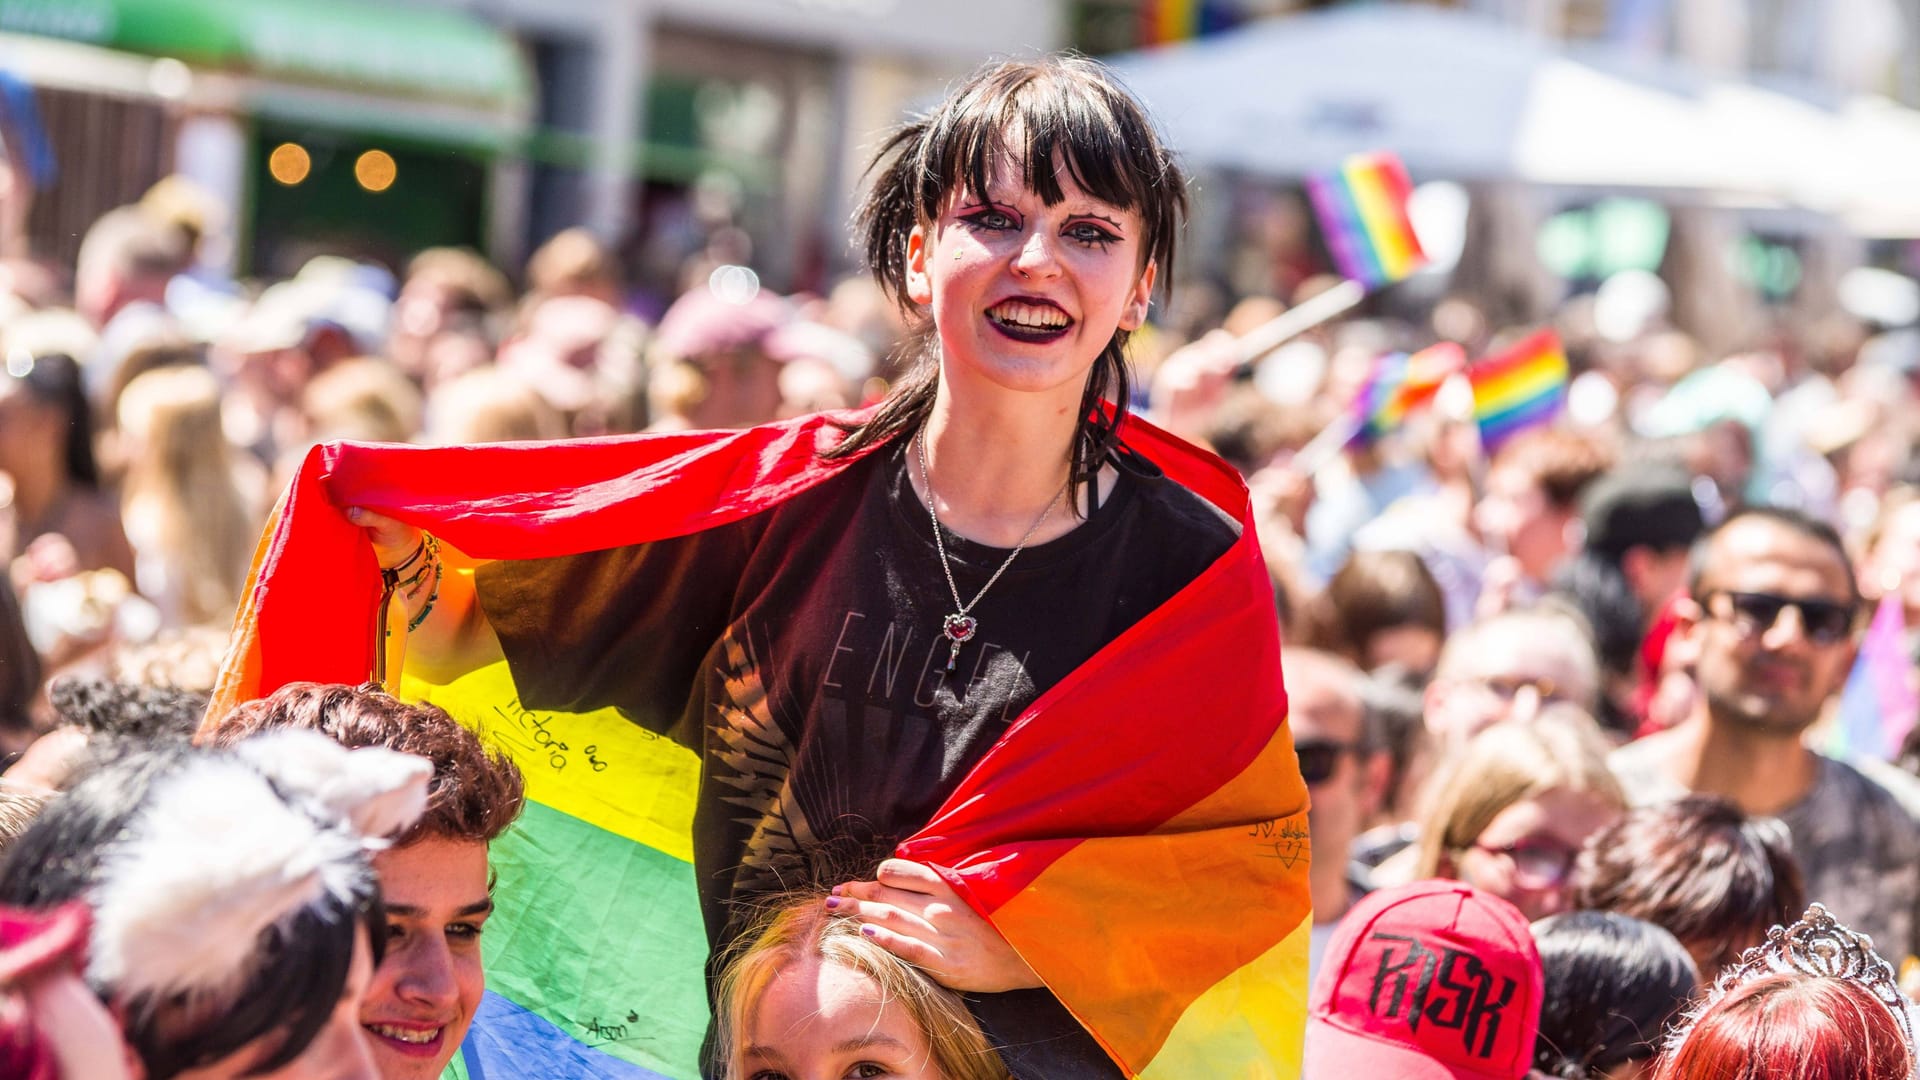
[1209,884]
[240,673]
[1494,394]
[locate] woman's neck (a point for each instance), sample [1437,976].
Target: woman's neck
[995,468]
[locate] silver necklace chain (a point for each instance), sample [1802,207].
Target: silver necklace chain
[960,627]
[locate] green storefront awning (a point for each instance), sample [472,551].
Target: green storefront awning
[394,48]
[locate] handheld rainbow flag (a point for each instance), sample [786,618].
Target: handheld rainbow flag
[1520,388]
[1401,383]
[1878,707]
[1362,208]
[1164,22]
[1188,855]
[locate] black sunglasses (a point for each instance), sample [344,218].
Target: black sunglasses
[1825,622]
[1319,757]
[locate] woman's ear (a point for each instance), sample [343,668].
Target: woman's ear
[1135,313]
[919,282]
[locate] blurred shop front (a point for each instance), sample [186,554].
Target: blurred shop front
[348,126]
[693,132]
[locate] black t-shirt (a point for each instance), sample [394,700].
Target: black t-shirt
[800,653]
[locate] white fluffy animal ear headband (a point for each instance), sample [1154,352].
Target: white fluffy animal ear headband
[237,842]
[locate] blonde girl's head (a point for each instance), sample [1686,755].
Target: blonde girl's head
[805,973]
[1508,764]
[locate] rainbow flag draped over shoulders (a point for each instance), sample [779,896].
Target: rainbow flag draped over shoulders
[1523,387]
[1362,209]
[1156,881]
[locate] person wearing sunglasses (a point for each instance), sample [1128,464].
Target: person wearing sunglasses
[1513,806]
[1772,617]
[1346,770]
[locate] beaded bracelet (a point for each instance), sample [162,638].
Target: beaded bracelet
[419,550]
[432,548]
[410,585]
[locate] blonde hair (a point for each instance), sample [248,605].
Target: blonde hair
[801,927]
[488,405]
[186,512]
[363,398]
[1562,750]
[572,261]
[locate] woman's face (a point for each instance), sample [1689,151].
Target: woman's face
[1025,295]
[819,1020]
[338,1052]
[1525,854]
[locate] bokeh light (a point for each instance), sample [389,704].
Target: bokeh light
[289,163]
[375,170]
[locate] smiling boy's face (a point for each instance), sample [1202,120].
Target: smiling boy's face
[427,988]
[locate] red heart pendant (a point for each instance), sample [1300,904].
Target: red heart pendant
[960,628]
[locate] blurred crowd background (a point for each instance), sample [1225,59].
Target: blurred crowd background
[229,231]
[232,230]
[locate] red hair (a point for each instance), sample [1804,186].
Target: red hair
[1792,1025]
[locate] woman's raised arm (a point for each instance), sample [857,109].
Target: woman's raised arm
[455,637]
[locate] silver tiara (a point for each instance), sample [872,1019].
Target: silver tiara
[1817,946]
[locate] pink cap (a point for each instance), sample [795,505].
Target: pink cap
[1435,980]
[703,323]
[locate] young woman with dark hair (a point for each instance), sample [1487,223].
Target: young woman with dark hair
[1613,984]
[999,534]
[236,922]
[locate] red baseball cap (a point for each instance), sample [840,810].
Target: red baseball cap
[1435,980]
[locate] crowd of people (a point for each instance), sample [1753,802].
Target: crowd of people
[1566,712]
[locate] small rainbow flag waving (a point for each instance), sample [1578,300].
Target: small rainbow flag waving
[1520,388]
[1401,383]
[1878,707]
[1164,22]
[1362,208]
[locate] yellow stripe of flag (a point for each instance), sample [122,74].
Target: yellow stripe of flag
[1380,219]
[599,767]
[1521,384]
[1256,1015]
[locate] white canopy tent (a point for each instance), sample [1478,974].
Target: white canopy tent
[1462,97]
[1874,179]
